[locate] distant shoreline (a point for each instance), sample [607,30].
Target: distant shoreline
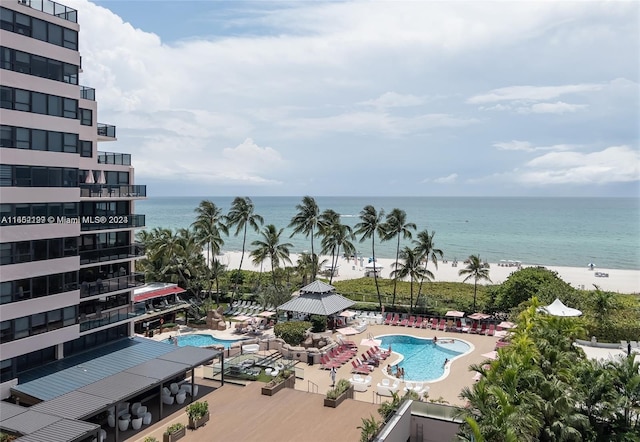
[618,280]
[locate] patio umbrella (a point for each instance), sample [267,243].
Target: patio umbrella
[101,178]
[348,331]
[493,355]
[479,316]
[506,324]
[241,318]
[371,342]
[89,179]
[266,314]
[347,314]
[455,314]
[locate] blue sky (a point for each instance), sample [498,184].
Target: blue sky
[364,98]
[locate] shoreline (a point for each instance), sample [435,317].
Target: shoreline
[618,280]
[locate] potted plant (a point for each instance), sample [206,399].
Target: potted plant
[174,432]
[198,413]
[342,391]
[284,379]
[150,439]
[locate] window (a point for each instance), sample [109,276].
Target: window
[70,73]
[70,39]
[38,139]
[6,138]
[6,97]
[70,143]
[6,19]
[19,99]
[39,103]
[39,66]
[55,141]
[39,29]
[22,138]
[70,108]
[55,105]
[39,177]
[86,117]
[22,24]
[86,149]
[22,62]
[55,34]
[23,176]
[21,327]
[69,315]
[22,100]
[6,292]
[5,59]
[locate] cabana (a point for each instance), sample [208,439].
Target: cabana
[317,298]
[557,308]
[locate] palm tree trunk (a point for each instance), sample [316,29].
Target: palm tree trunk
[375,271]
[411,292]
[314,261]
[475,290]
[334,262]
[395,280]
[244,240]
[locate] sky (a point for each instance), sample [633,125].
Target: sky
[369,98]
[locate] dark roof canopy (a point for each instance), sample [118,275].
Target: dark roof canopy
[317,298]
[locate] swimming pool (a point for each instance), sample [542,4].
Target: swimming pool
[423,360]
[201,341]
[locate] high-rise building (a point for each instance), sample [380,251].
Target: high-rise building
[67,219]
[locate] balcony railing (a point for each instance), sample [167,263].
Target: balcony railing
[100,319]
[111,253]
[111,222]
[88,93]
[52,8]
[101,287]
[106,130]
[112,191]
[122,159]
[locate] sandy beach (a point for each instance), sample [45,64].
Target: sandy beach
[621,281]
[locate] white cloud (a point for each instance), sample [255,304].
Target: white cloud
[392,99]
[558,107]
[527,146]
[447,179]
[612,165]
[531,93]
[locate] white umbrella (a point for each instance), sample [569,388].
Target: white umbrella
[455,314]
[348,331]
[371,342]
[266,314]
[347,314]
[101,178]
[89,179]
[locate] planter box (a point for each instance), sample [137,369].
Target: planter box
[196,423]
[290,382]
[172,437]
[333,403]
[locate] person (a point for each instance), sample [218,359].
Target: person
[333,376]
[628,348]
[435,339]
[446,361]
[389,370]
[401,371]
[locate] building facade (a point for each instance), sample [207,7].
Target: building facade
[67,218]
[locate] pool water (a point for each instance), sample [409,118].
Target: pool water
[423,360]
[201,341]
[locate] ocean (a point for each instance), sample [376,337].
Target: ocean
[536,231]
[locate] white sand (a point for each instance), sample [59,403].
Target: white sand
[621,281]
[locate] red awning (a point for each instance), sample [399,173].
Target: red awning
[158,293]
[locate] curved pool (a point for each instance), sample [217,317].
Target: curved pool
[423,360]
[197,340]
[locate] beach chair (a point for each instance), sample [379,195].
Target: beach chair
[404,321]
[474,327]
[387,320]
[396,319]
[412,321]
[434,323]
[361,369]
[418,323]
[443,325]
[634,344]
[483,329]
[384,354]
[328,364]
[623,345]
[492,330]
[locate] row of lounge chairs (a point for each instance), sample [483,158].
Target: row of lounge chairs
[247,308]
[635,347]
[439,324]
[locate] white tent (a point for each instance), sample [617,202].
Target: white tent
[557,308]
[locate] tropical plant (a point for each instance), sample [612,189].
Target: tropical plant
[306,221]
[242,215]
[174,428]
[319,323]
[370,224]
[150,439]
[396,226]
[477,270]
[197,410]
[369,428]
[270,247]
[341,387]
[410,266]
[216,270]
[292,332]
[335,236]
[425,247]
[207,227]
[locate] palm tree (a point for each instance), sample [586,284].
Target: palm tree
[370,224]
[428,252]
[306,221]
[270,247]
[304,267]
[477,270]
[242,215]
[207,227]
[335,236]
[395,226]
[216,270]
[411,267]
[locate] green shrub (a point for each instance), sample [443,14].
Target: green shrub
[150,439]
[292,332]
[319,323]
[174,428]
[342,386]
[197,410]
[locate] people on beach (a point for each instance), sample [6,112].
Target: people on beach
[333,376]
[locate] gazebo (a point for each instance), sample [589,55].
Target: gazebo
[557,308]
[317,298]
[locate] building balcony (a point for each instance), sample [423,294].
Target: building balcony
[100,319]
[106,131]
[120,159]
[52,8]
[103,287]
[88,93]
[112,191]
[107,222]
[107,254]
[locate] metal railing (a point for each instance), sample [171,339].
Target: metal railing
[111,253]
[106,130]
[88,93]
[112,191]
[107,222]
[123,159]
[101,319]
[52,8]
[101,287]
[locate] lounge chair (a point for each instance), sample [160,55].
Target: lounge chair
[396,319]
[474,327]
[483,329]
[492,330]
[404,321]
[412,321]
[418,323]
[387,320]
[443,325]
[634,344]
[361,368]
[434,323]
[624,345]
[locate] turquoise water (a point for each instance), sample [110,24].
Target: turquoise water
[536,231]
[423,360]
[201,341]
